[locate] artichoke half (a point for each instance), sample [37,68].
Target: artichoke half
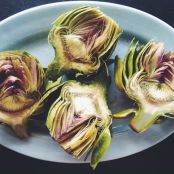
[82,39]
[79,119]
[146,75]
[21,81]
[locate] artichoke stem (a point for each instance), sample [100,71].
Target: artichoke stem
[143,120]
[21,130]
[53,72]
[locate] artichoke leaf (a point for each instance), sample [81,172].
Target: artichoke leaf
[118,73]
[100,147]
[125,113]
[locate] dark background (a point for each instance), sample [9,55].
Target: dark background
[156,160]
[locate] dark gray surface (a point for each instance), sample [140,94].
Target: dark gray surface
[158,159]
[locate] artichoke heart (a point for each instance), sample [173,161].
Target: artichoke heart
[21,81]
[146,75]
[81,39]
[79,118]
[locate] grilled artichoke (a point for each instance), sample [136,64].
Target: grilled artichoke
[21,80]
[82,39]
[80,119]
[146,75]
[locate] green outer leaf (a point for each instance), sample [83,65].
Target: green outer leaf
[109,53]
[52,87]
[51,84]
[128,68]
[140,57]
[125,113]
[118,70]
[65,18]
[112,44]
[129,62]
[100,147]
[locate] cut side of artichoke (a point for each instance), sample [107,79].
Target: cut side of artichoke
[21,80]
[81,38]
[146,76]
[78,117]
